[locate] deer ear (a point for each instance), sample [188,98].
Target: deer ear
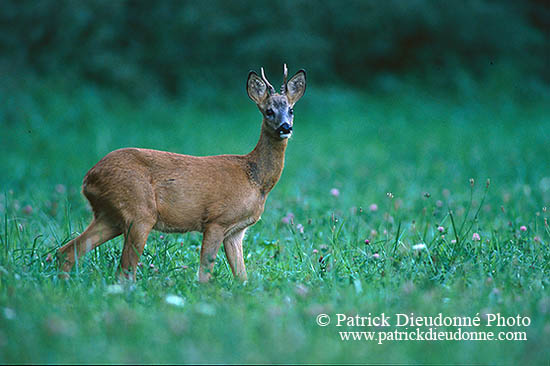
[296,87]
[256,88]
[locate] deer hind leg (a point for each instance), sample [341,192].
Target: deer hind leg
[211,242]
[233,246]
[135,238]
[97,233]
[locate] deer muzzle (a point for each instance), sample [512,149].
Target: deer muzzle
[284,130]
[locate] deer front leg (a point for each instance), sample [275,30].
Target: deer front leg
[211,242]
[233,246]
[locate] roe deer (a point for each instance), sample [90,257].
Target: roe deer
[133,191]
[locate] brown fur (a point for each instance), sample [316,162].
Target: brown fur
[133,191]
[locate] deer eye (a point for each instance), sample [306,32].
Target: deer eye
[291,111]
[269,112]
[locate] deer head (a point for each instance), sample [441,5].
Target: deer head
[276,108]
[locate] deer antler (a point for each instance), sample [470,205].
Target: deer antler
[269,86]
[285,74]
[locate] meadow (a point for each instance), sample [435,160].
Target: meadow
[395,199]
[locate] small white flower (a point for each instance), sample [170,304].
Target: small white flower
[9,313]
[419,246]
[175,300]
[206,309]
[114,289]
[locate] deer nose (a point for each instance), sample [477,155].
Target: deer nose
[284,128]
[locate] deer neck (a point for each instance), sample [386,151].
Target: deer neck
[266,161]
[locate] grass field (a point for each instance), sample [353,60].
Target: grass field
[400,166]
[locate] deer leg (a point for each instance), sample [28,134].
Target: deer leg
[233,246]
[135,238]
[97,233]
[211,242]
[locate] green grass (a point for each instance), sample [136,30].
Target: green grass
[422,145]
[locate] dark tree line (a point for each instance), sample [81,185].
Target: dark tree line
[164,44]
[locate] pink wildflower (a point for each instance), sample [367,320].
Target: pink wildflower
[335,192]
[288,218]
[376,256]
[476,237]
[523,228]
[441,229]
[60,188]
[27,209]
[373,207]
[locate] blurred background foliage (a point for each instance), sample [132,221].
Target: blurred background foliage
[170,47]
